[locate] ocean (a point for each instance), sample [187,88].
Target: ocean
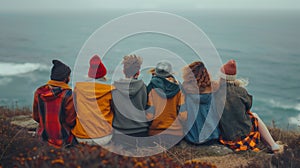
[265,44]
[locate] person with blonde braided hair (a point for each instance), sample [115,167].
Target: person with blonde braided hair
[197,86]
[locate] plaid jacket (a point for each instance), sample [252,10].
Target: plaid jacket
[54,110]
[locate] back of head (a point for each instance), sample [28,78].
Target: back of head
[132,65]
[196,77]
[163,69]
[229,71]
[97,69]
[59,71]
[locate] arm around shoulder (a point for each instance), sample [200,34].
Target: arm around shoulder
[183,114]
[70,112]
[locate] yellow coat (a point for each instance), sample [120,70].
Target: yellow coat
[167,119]
[94,113]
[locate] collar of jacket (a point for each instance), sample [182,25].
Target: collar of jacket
[58,84]
[165,87]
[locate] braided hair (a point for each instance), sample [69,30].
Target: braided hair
[196,78]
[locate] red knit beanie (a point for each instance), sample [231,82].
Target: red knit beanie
[228,70]
[97,69]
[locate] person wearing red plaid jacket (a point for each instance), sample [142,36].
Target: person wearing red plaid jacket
[53,107]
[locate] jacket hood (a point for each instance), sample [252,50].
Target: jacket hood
[48,93]
[202,98]
[129,86]
[52,90]
[92,90]
[163,87]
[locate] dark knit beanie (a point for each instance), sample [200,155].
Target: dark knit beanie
[59,71]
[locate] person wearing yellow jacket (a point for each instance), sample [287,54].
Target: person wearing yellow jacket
[166,106]
[93,105]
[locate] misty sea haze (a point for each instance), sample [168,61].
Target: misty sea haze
[265,44]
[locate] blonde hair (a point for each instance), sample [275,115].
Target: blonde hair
[241,82]
[132,65]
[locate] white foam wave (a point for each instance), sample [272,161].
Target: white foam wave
[14,69]
[284,106]
[297,107]
[295,120]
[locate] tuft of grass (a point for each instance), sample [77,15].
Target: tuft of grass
[6,113]
[291,156]
[18,148]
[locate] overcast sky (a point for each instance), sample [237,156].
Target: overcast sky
[44,5]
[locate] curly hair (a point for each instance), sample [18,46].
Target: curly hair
[132,65]
[196,78]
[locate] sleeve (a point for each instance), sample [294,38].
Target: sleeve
[35,108]
[182,112]
[247,100]
[70,111]
[145,98]
[111,101]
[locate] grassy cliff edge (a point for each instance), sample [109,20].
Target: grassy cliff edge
[19,147]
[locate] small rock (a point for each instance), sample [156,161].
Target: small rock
[220,149]
[24,121]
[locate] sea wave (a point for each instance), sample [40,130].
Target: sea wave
[281,105]
[14,69]
[295,120]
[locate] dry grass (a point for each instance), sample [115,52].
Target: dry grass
[20,149]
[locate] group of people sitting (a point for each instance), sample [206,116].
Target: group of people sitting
[130,113]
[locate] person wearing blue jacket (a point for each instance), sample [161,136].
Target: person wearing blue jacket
[202,123]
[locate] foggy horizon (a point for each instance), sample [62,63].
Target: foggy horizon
[68,5]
